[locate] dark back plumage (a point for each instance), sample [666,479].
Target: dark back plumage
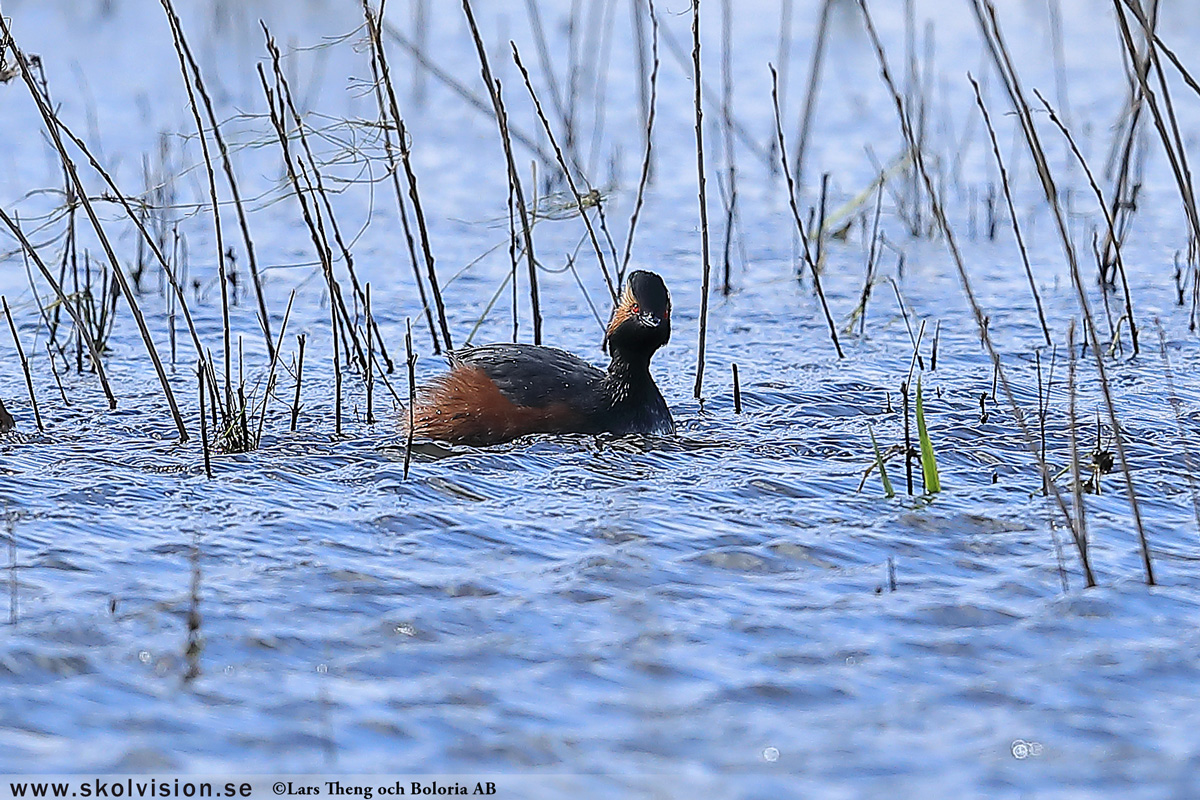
[531,375]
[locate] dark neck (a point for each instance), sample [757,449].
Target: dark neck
[632,398]
[631,369]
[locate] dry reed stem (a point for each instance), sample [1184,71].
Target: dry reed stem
[1012,209]
[514,176]
[566,170]
[737,391]
[297,174]
[63,300]
[706,264]
[647,158]
[728,192]
[201,374]
[184,50]
[411,362]
[12,326]
[147,237]
[370,361]
[383,78]
[1079,522]
[1172,143]
[300,341]
[810,95]
[270,387]
[210,174]
[314,187]
[1108,219]
[791,189]
[1140,64]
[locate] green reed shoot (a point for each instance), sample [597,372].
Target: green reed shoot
[888,491]
[929,469]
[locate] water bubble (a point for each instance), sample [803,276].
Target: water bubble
[1022,749]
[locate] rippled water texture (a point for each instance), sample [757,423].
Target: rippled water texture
[658,606]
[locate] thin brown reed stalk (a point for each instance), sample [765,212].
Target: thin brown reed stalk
[912,337]
[1191,81]
[210,174]
[12,326]
[800,229]
[54,372]
[810,95]
[184,51]
[370,361]
[305,189]
[337,372]
[737,391]
[64,301]
[908,448]
[706,264]
[50,321]
[532,9]
[269,391]
[562,162]
[1079,521]
[911,453]
[729,194]
[316,182]
[306,179]
[517,194]
[990,28]
[514,176]
[411,361]
[300,340]
[960,266]
[1114,237]
[819,255]
[1172,142]
[647,158]
[201,374]
[1012,209]
[389,116]
[1132,114]
[114,263]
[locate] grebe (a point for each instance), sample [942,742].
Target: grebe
[497,392]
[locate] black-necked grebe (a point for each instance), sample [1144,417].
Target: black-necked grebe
[498,392]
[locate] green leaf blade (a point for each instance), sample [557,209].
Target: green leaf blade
[929,469]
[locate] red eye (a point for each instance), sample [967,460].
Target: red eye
[634,308]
